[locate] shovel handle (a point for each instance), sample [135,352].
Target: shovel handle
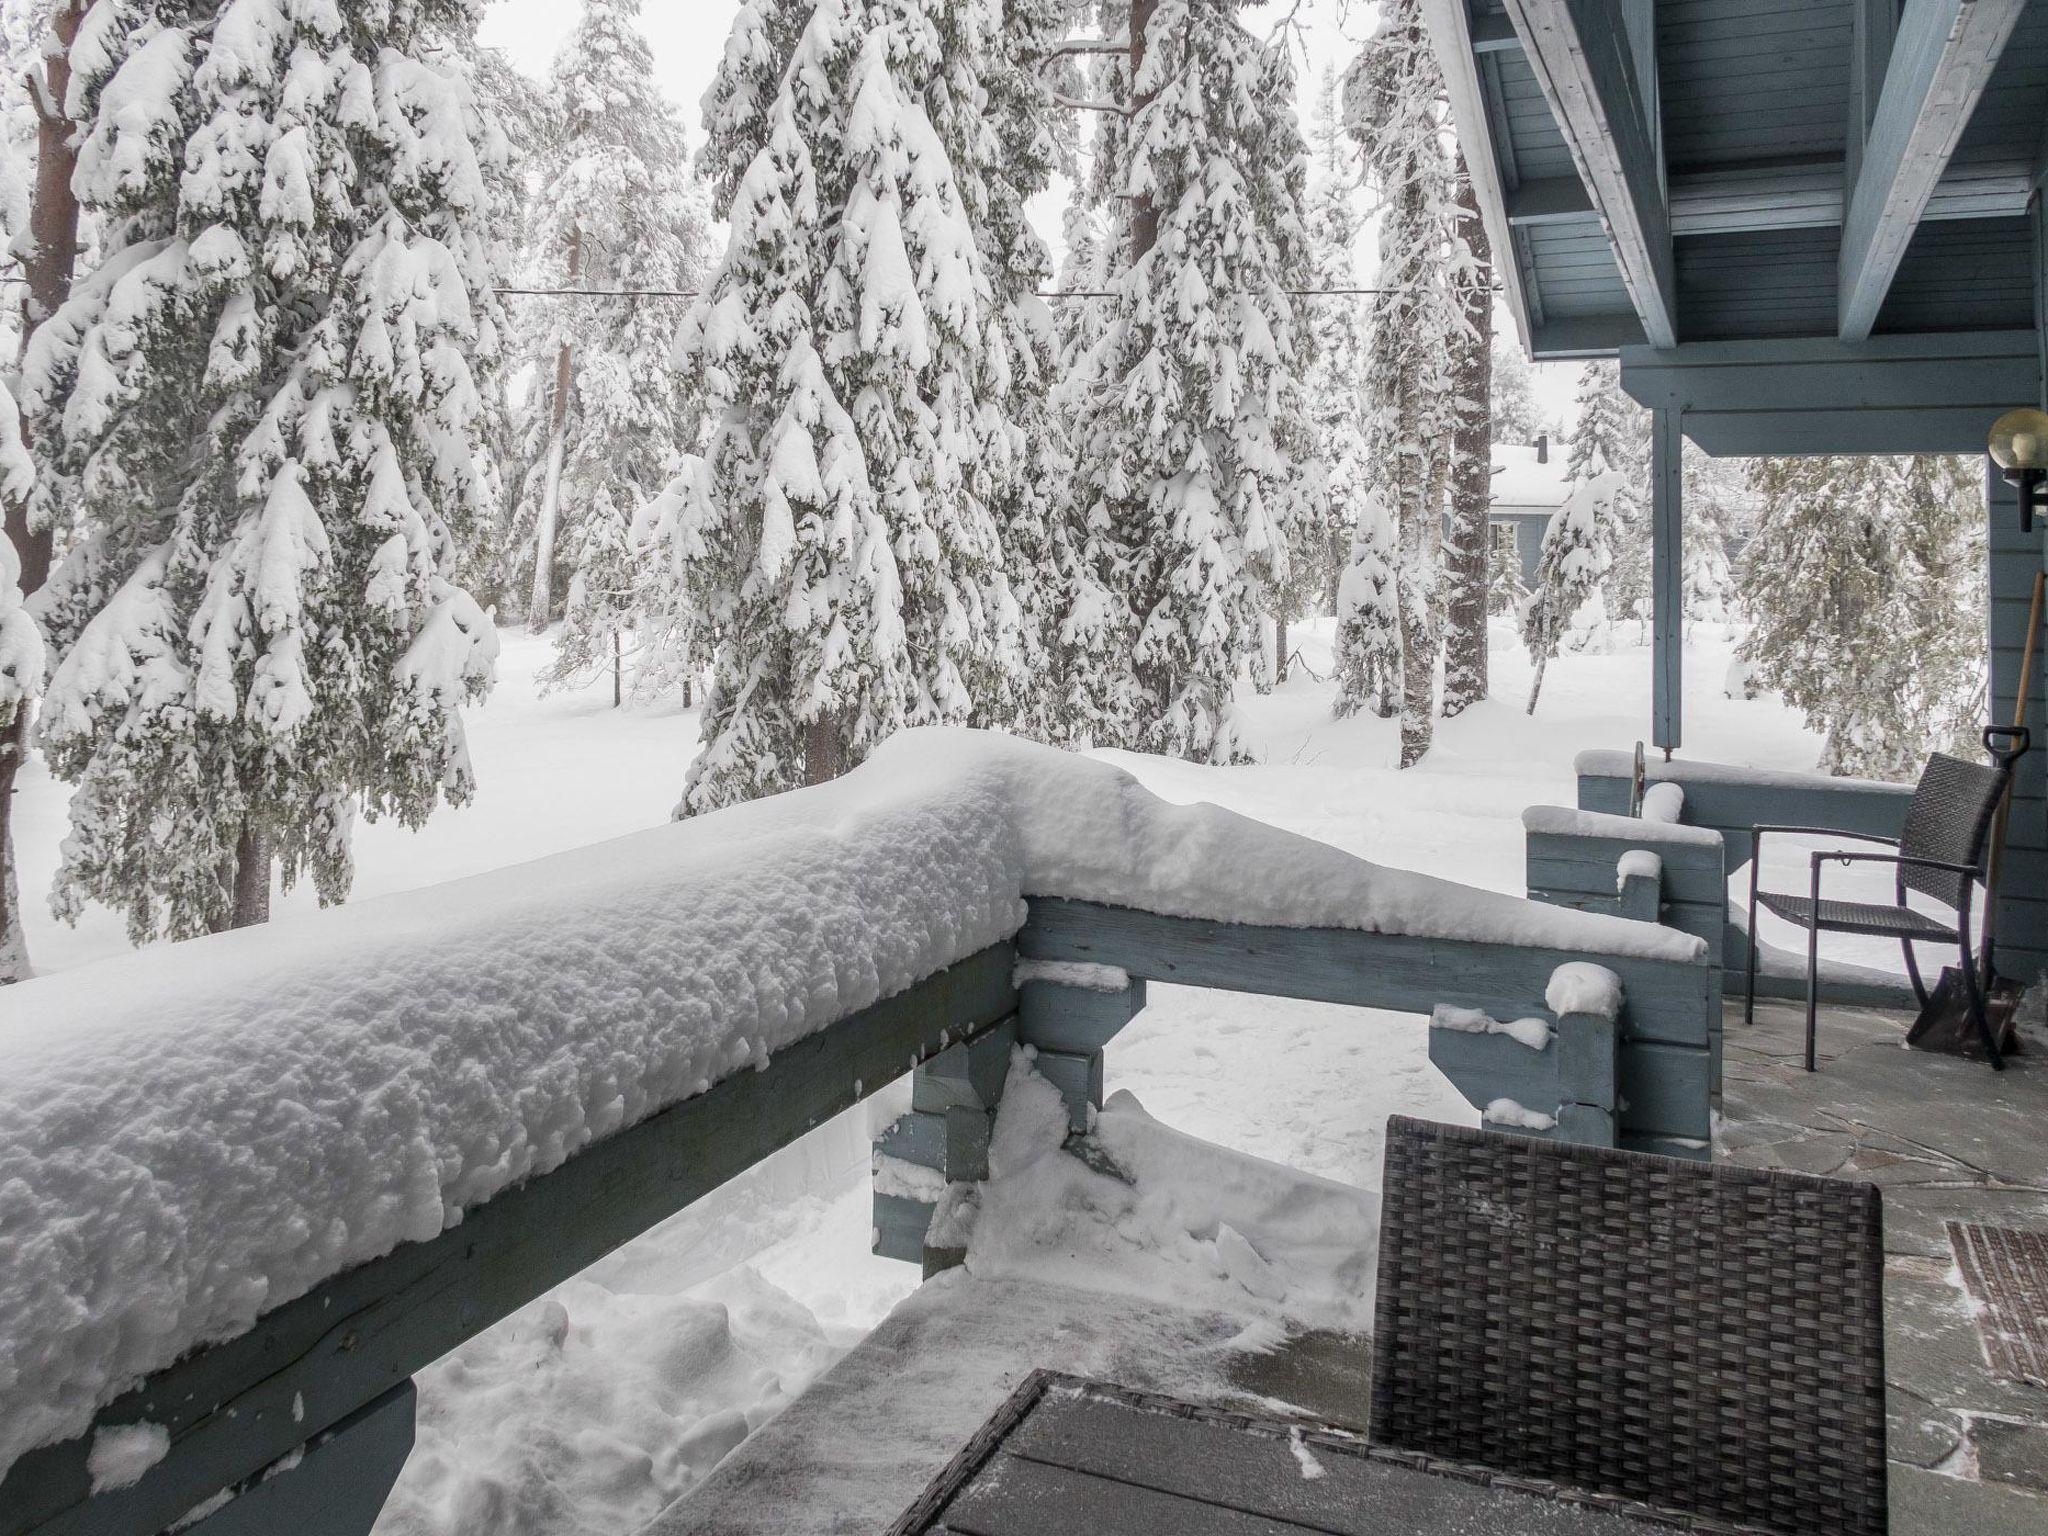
[2007,744]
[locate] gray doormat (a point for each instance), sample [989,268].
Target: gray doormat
[2006,1273]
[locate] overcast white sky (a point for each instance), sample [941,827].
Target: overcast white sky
[688,36]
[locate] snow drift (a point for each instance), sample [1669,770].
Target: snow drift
[192,1135]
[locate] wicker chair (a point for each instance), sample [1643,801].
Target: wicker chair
[1708,1340]
[1939,854]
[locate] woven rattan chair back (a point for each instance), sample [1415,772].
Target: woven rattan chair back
[1949,819]
[1706,1339]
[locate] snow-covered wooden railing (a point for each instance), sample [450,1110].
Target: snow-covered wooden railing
[1727,801]
[250,1184]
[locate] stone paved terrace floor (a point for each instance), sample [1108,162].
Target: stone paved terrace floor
[1946,1139]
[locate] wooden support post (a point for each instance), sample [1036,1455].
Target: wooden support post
[1639,883]
[338,1485]
[1068,1024]
[953,1099]
[1066,1019]
[1667,535]
[1589,1077]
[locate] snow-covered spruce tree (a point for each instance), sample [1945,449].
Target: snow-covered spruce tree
[829,522]
[1369,616]
[1338,478]
[1469,532]
[1183,454]
[521,135]
[1864,585]
[1393,92]
[1516,416]
[1573,562]
[1505,589]
[266,402]
[1092,692]
[1613,431]
[738,104]
[1713,492]
[607,416]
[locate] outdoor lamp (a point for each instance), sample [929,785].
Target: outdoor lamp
[2019,446]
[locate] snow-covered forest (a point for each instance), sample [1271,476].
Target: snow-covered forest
[337,344]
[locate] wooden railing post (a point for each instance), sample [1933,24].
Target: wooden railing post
[1066,1014]
[337,1486]
[941,1142]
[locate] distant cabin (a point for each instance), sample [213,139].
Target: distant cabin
[1528,487]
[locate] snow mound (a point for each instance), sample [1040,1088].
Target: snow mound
[193,1135]
[590,1412]
[1173,1219]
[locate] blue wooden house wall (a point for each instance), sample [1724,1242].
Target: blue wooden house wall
[2023,902]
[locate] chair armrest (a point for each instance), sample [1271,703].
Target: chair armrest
[1827,855]
[1861,837]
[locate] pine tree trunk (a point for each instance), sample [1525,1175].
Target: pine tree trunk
[48,265]
[1465,676]
[821,749]
[252,879]
[543,599]
[1536,683]
[1280,647]
[618,671]
[1144,217]
[1425,471]
[14,961]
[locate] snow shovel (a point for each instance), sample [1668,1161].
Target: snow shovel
[1945,1023]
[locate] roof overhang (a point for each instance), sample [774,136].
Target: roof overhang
[1660,175]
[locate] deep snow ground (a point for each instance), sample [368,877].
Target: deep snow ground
[591,1409]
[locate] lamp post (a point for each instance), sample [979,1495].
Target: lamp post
[2019,446]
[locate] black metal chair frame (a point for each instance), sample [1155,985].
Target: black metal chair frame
[1967,877]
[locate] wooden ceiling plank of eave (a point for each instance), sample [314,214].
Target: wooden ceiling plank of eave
[1581,54]
[1940,62]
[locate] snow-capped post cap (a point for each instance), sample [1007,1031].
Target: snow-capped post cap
[1563,821]
[1579,986]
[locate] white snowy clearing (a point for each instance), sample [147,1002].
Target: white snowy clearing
[591,1409]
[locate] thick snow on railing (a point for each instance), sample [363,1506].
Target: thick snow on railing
[195,1134]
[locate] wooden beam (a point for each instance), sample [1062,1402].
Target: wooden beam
[1889,394]
[1808,194]
[1667,585]
[1584,54]
[1449,23]
[1577,336]
[1940,63]
[1665,999]
[234,1408]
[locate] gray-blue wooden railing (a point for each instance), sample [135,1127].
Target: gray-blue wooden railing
[1645,1074]
[303,1423]
[1729,801]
